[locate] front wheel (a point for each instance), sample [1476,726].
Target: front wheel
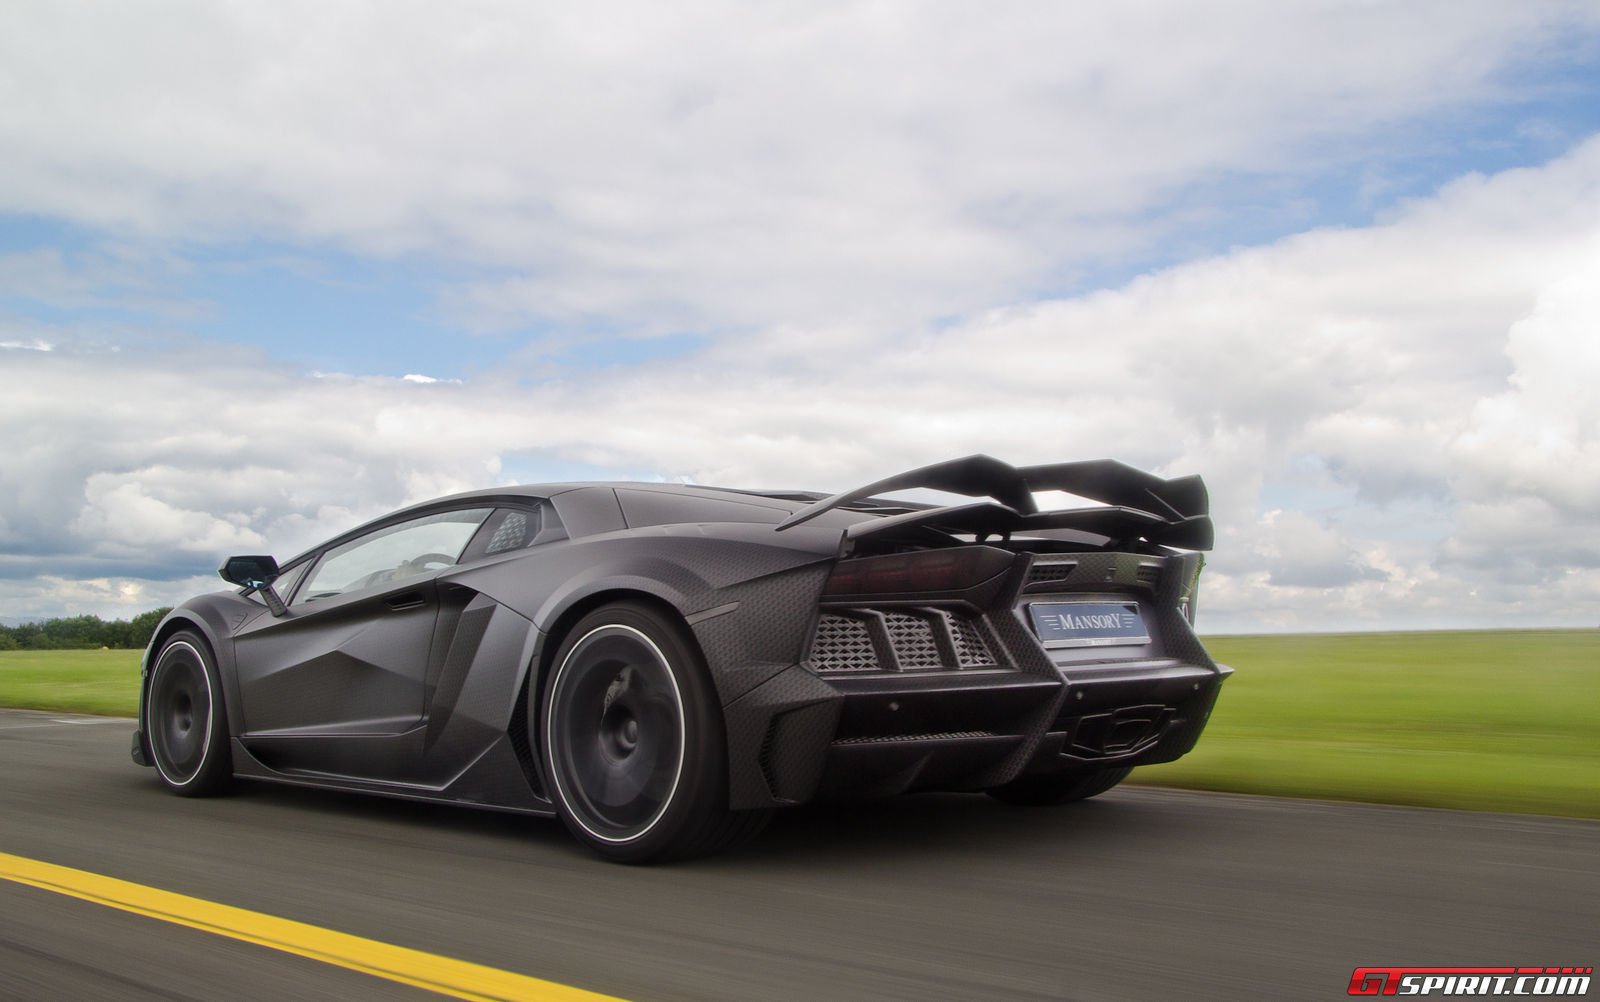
[634,740]
[1059,787]
[184,718]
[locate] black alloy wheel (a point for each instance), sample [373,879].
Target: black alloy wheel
[184,719]
[633,738]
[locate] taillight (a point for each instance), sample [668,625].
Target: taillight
[923,572]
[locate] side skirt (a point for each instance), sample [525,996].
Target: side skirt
[489,783]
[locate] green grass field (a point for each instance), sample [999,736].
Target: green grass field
[1491,720]
[103,682]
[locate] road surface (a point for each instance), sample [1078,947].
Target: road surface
[1139,894]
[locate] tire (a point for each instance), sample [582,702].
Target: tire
[634,740]
[1044,789]
[186,721]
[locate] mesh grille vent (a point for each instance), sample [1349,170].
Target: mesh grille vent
[926,640]
[843,644]
[940,736]
[1042,577]
[971,650]
[912,637]
[513,532]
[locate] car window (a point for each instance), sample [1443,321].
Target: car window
[391,554]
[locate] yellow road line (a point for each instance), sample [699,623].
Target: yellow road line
[444,975]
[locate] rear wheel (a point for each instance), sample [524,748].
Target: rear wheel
[634,740]
[184,718]
[1059,787]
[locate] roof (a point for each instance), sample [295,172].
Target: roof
[1135,504]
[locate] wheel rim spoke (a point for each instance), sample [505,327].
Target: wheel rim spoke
[617,741]
[181,704]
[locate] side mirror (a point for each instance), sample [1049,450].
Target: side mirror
[249,572]
[257,574]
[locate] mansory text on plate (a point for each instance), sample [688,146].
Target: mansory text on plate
[661,665]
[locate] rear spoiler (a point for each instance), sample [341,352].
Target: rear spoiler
[1174,512]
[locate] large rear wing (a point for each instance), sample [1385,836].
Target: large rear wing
[1136,504]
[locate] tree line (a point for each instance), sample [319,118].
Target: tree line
[81,633]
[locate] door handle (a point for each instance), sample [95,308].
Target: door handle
[400,603]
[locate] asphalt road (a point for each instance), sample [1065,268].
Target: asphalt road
[1140,894]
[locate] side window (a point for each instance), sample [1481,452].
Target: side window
[391,554]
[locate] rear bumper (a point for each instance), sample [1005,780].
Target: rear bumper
[802,736]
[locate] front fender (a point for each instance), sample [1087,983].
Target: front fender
[216,617]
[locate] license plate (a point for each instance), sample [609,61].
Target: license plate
[1088,624]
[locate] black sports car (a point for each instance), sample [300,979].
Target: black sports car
[661,665]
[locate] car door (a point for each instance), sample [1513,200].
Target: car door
[336,686]
[480,650]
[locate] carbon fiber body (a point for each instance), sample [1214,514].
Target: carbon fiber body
[857,647]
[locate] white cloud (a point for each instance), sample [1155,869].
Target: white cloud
[1302,553]
[728,163]
[1541,435]
[121,515]
[1428,376]
[854,209]
[48,596]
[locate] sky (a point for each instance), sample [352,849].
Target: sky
[269,270]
